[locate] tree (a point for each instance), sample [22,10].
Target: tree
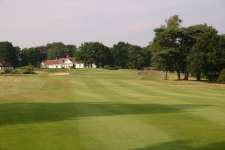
[120,52]
[138,57]
[94,53]
[8,53]
[197,49]
[29,56]
[71,50]
[174,21]
[60,50]
[18,52]
[170,40]
[33,56]
[221,78]
[207,55]
[164,61]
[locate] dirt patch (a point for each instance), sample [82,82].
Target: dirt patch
[59,74]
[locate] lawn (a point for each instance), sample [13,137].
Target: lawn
[110,110]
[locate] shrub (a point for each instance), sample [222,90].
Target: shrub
[23,70]
[7,71]
[221,78]
[26,70]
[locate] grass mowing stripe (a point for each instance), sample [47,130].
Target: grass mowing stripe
[100,109]
[124,92]
[170,92]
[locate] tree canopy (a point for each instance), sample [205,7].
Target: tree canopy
[197,50]
[95,53]
[8,53]
[60,50]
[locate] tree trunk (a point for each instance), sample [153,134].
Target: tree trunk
[198,76]
[186,76]
[178,75]
[166,75]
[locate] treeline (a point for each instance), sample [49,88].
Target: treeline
[121,55]
[196,50]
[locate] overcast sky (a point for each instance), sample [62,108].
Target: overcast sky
[36,22]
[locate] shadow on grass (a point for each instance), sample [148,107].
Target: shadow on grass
[184,145]
[22,113]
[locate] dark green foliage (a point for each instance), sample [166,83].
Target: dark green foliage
[207,57]
[164,60]
[33,56]
[60,50]
[8,53]
[198,50]
[120,53]
[71,50]
[36,55]
[94,53]
[138,57]
[170,49]
[221,78]
[130,56]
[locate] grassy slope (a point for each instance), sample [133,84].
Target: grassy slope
[113,110]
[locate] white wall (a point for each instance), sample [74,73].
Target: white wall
[54,66]
[67,64]
[79,66]
[70,65]
[94,66]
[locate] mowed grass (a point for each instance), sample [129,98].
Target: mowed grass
[110,110]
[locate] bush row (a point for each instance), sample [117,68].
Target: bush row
[22,70]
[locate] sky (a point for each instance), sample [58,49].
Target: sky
[28,23]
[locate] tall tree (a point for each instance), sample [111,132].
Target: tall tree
[8,53]
[60,50]
[120,52]
[33,56]
[207,56]
[164,61]
[138,57]
[169,40]
[95,53]
[71,50]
